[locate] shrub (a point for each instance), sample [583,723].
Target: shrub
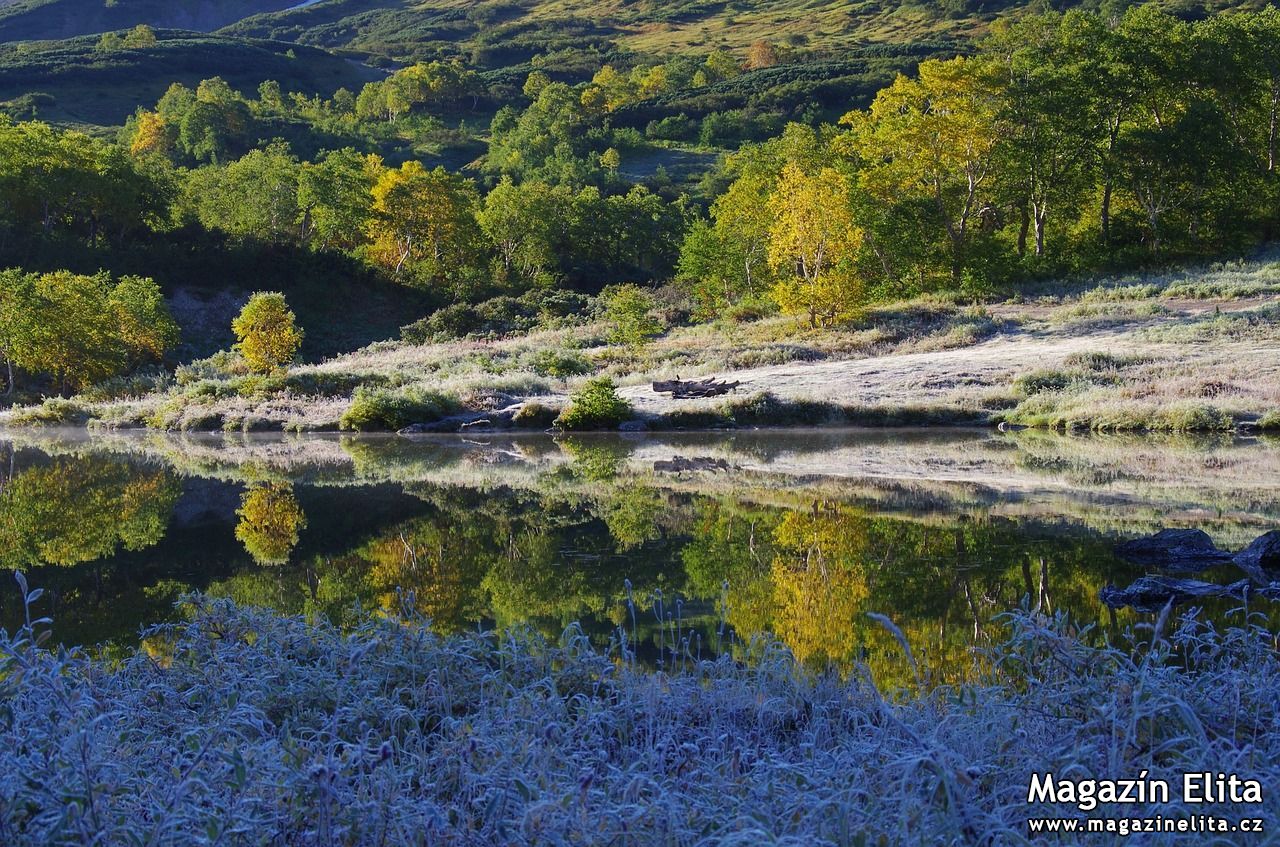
[52,412]
[1270,422]
[374,409]
[221,365]
[267,332]
[559,363]
[1042,381]
[594,406]
[138,384]
[535,415]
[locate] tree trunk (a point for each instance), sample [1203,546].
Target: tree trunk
[1106,212]
[1022,228]
[1040,214]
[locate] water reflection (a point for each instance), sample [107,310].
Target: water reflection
[720,540]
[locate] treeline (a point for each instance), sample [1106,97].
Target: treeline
[1068,143]
[430,229]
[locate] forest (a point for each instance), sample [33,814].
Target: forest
[1064,144]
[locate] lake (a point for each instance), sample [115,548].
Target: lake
[681,544]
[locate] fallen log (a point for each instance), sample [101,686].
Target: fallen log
[682,389]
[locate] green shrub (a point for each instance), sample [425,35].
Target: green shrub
[1042,381]
[221,365]
[134,385]
[1093,360]
[559,363]
[374,409]
[1270,422]
[55,411]
[535,415]
[594,406]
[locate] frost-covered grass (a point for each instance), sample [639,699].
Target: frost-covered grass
[242,727]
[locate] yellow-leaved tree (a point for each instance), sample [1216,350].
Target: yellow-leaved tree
[935,139]
[267,331]
[813,244]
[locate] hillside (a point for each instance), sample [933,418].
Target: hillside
[73,81]
[50,19]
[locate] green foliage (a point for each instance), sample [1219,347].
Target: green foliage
[381,409]
[560,364]
[628,309]
[266,332]
[80,330]
[596,405]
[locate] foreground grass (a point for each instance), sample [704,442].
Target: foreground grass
[241,727]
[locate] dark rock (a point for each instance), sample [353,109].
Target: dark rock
[1261,559]
[1184,550]
[1150,593]
[633,426]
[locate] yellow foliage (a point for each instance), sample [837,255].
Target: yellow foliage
[813,242]
[270,522]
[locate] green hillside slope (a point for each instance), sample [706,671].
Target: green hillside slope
[45,19]
[74,82]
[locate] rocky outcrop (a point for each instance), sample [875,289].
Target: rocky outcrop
[1261,559]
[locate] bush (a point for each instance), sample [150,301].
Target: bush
[535,415]
[1043,381]
[52,412]
[594,406]
[380,409]
[138,384]
[559,363]
[221,365]
[1270,422]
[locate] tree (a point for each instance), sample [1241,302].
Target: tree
[728,260]
[813,243]
[254,197]
[935,138]
[267,333]
[335,197]
[525,224]
[425,222]
[81,329]
[144,322]
[628,310]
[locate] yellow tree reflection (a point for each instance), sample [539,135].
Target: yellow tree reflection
[270,522]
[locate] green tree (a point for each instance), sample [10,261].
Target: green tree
[267,332]
[628,309]
[424,222]
[935,139]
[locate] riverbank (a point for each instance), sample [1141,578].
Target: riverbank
[1198,351]
[244,726]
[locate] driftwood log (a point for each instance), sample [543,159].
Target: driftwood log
[684,389]
[1183,550]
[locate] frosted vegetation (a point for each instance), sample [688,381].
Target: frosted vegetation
[244,727]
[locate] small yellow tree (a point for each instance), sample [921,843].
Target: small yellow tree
[813,242]
[267,332]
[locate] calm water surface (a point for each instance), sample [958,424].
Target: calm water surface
[704,539]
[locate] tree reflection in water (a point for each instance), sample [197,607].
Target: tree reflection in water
[544,549]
